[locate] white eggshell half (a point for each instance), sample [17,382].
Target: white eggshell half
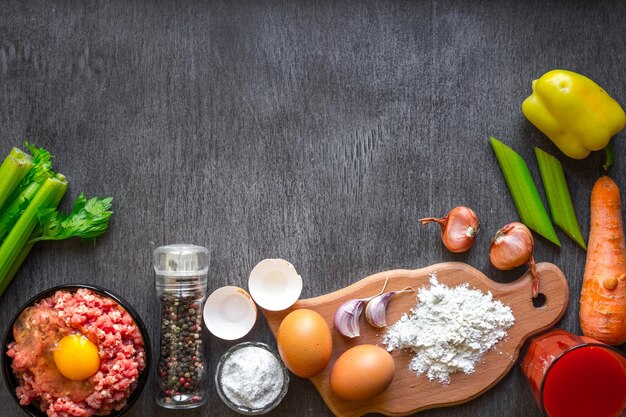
[275,284]
[229,313]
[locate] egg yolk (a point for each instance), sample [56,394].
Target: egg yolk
[76,357]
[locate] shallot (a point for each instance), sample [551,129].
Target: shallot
[512,246]
[458,228]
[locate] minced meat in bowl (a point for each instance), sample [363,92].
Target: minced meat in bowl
[75,351]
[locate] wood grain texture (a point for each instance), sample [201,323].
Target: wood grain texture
[314,131]
[409,393]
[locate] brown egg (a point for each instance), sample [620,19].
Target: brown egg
[362,372]
[304,342]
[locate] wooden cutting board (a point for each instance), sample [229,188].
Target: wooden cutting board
[408,392]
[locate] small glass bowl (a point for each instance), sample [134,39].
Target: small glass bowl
[242,409]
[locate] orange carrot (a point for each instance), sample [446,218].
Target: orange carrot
[603,297]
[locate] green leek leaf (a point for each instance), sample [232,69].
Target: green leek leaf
[525,195]
[559,198]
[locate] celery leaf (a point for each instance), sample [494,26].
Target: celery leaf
[41,170]
[88,220]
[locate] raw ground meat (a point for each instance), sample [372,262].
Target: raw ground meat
[120,347]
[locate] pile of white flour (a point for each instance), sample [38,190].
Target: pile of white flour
[449,329]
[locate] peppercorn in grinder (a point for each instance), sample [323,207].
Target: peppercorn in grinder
[181,287]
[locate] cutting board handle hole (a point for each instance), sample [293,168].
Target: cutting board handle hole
[540,300]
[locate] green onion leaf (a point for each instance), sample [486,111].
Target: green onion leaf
[525,195]
[559,198]
[13,169]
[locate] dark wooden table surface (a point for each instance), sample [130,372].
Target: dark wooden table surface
[318,132]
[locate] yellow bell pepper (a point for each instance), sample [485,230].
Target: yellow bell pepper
[574,112]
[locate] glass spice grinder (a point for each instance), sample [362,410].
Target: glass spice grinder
[181,287]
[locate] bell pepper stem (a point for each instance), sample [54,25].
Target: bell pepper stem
[609,156]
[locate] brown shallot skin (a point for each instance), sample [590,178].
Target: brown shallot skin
[458,228]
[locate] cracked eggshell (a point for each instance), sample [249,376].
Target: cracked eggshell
[275,284]
[229,313]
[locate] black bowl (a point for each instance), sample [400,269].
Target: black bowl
[12,381]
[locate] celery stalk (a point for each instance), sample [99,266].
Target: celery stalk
[559,198]
[26,189]
[525,195]
[15,208]
[48,196]
[17,264]
[14,167]
[41,170]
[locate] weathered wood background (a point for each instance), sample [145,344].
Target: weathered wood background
[317,132]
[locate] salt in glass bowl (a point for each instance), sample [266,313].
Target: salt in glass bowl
[242,409]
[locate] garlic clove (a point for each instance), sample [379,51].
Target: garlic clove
[376,310]
[347,318]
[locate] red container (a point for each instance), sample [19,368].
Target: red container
[575,376]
